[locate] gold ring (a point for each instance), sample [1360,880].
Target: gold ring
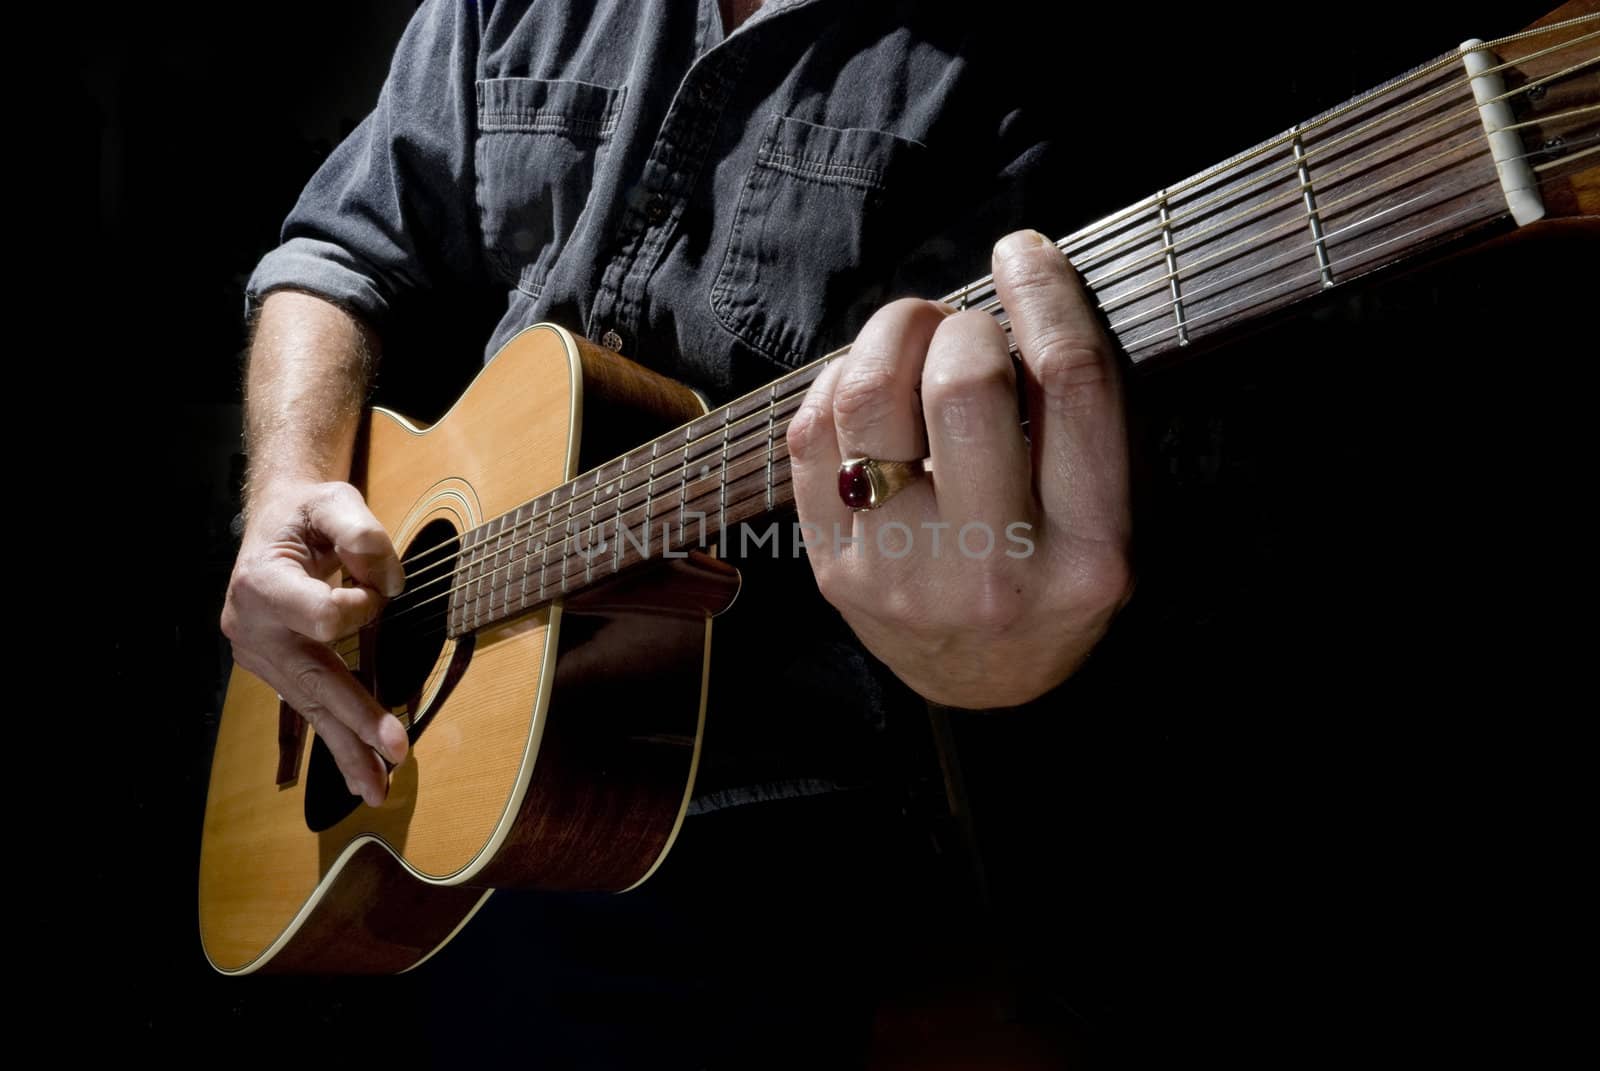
[867,483]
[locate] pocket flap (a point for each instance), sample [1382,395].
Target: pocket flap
[854,155]
[540,106]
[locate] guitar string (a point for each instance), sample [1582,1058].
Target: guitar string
[1568,114]
[1095,232]
[1192,293]
[1324,209]
[1575,156]
[1489,182]
[1318,151]
[1472,120]
[1372,98]
[673,475]
[983,289]
[1256,269]
[1295,199]
[1450,60]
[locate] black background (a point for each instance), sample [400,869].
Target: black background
[1317,796]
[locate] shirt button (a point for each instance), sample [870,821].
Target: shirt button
[612,341]
[657,209]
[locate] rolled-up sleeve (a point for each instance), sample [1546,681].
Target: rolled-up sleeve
[392,209]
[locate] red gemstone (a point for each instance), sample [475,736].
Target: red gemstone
[855,486]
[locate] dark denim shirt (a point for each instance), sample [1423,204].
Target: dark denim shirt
[720,208]
[727,208]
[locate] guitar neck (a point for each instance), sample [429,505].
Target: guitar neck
[1425,159]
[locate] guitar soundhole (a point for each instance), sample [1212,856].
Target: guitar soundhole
[411,632]
[399,663]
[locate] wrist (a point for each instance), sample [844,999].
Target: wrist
[272,500]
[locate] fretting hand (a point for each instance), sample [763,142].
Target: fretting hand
[989,583]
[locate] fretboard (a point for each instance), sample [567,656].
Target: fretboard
[1390,174]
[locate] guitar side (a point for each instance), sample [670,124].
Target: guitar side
[539,758]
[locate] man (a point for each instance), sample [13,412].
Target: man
[958,630]
[725,206]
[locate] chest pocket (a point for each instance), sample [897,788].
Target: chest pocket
[820,223]
[537,147]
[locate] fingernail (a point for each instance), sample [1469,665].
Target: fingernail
[393,736]
[1019,242]
[395,585]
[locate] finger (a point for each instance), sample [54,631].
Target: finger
[308,606]
[876,410]
[318,685]
[814,463]
[342,516]
[364,773]
[982,472]
[1074,390]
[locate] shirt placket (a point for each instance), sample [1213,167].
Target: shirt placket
[668,179]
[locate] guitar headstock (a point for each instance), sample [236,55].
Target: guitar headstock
[1552,78]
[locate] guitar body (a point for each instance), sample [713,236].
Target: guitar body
[556,750]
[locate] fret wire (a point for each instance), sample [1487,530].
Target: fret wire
[683,472]
[543,547]
[465,587]
[485,572]
[499,548]
[650,491]
[722,494]
[616,524]
[594,504]
[1304,173]
[522,597]
[1172,271]
[772,401]
[567,535]
[476,590]
[486,584]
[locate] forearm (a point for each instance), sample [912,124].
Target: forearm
[309,368]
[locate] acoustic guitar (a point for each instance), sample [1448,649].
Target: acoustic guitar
[549,656]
